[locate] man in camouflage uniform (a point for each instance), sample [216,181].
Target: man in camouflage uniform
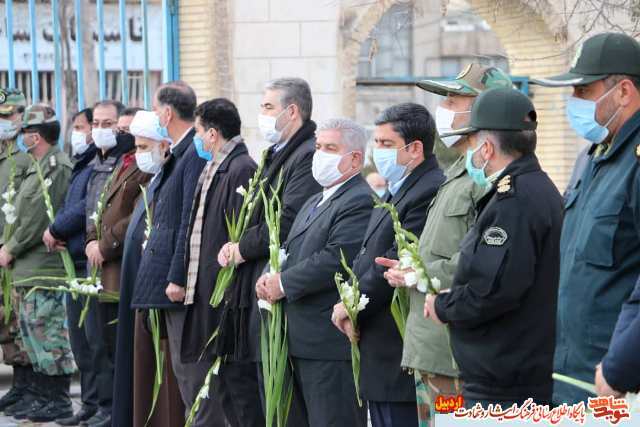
[12,162]
[43,330]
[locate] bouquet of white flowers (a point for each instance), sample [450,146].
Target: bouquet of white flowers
[10,218]
[410,258]
[97,220]
[236,227]
[203,393]
[354,302]
[45,183]
[278,383]
[154,315]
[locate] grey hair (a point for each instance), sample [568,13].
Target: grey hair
[294,91]
[352,135]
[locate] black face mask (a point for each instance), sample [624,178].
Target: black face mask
[125,142]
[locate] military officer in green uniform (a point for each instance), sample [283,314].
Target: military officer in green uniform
[43,330]
[13,167]
[501,308]
[450,216]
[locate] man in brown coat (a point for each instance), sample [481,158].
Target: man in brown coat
[104,251]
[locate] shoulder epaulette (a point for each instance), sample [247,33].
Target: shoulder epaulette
[505,188]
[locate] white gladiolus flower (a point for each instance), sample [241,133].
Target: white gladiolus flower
[435,282]
[423,285]
[347,295]
[410,279]
[94,217]
[264,305]
[364,300]
[203,393]
[10,219]
[406,262]
[241,191]
[8,195]
[47,183]
[8,209]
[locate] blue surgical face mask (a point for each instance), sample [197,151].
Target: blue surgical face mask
[386,161]
[204,154]
[477,174]
[162,130]
[21,145]
[582,117]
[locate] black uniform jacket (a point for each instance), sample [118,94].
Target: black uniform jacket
[502,306]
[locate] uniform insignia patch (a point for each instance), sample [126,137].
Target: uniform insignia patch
[504,184]
[53,162]
[495,236]
[638,150]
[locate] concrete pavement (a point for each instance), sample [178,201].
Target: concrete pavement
[5,383]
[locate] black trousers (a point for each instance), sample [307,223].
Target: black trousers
[101,337]
[237,386]
[82,353]
[328,394]
[393,414]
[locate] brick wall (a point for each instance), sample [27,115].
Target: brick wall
[534,51]
[230,48]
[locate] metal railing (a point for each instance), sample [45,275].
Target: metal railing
[134,87]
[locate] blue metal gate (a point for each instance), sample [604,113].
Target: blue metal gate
[170,58]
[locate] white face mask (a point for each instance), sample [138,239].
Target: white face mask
[8,129]
[325,168]
[267,127]
[104,138]
[78,143]
[151,161]
[444,123]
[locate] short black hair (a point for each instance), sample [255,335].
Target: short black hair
[179,96]
[50,132]
[412,122]
[220,114]
[515,142]
[119,106]
[87,113]
[130,111]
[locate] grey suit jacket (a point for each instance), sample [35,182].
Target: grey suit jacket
[313,246]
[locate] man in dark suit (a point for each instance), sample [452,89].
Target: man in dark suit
[162,276]
[132,390]
[285,122]
[229,167]
[403,154]
[330,222]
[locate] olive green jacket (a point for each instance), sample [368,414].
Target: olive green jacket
[22,163]
[451,214]
[25,244]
